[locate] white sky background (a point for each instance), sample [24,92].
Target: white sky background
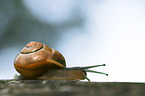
[115,35]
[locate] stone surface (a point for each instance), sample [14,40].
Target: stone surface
[69,88]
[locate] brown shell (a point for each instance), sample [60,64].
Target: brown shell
[36,58]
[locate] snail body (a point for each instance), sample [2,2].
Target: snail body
[38,61]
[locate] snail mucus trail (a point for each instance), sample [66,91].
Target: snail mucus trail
[37,61]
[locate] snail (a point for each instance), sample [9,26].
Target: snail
[37,61]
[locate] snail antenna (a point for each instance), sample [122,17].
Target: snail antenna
[88,79]
[92,66]
[96,72]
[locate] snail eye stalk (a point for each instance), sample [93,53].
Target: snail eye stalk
[88,67]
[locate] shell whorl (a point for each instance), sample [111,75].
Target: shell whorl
[32,47]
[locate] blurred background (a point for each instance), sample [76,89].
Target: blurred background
[87,32]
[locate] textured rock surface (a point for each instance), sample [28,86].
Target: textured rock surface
[69,88]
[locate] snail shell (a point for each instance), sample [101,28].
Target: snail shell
[36,58]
